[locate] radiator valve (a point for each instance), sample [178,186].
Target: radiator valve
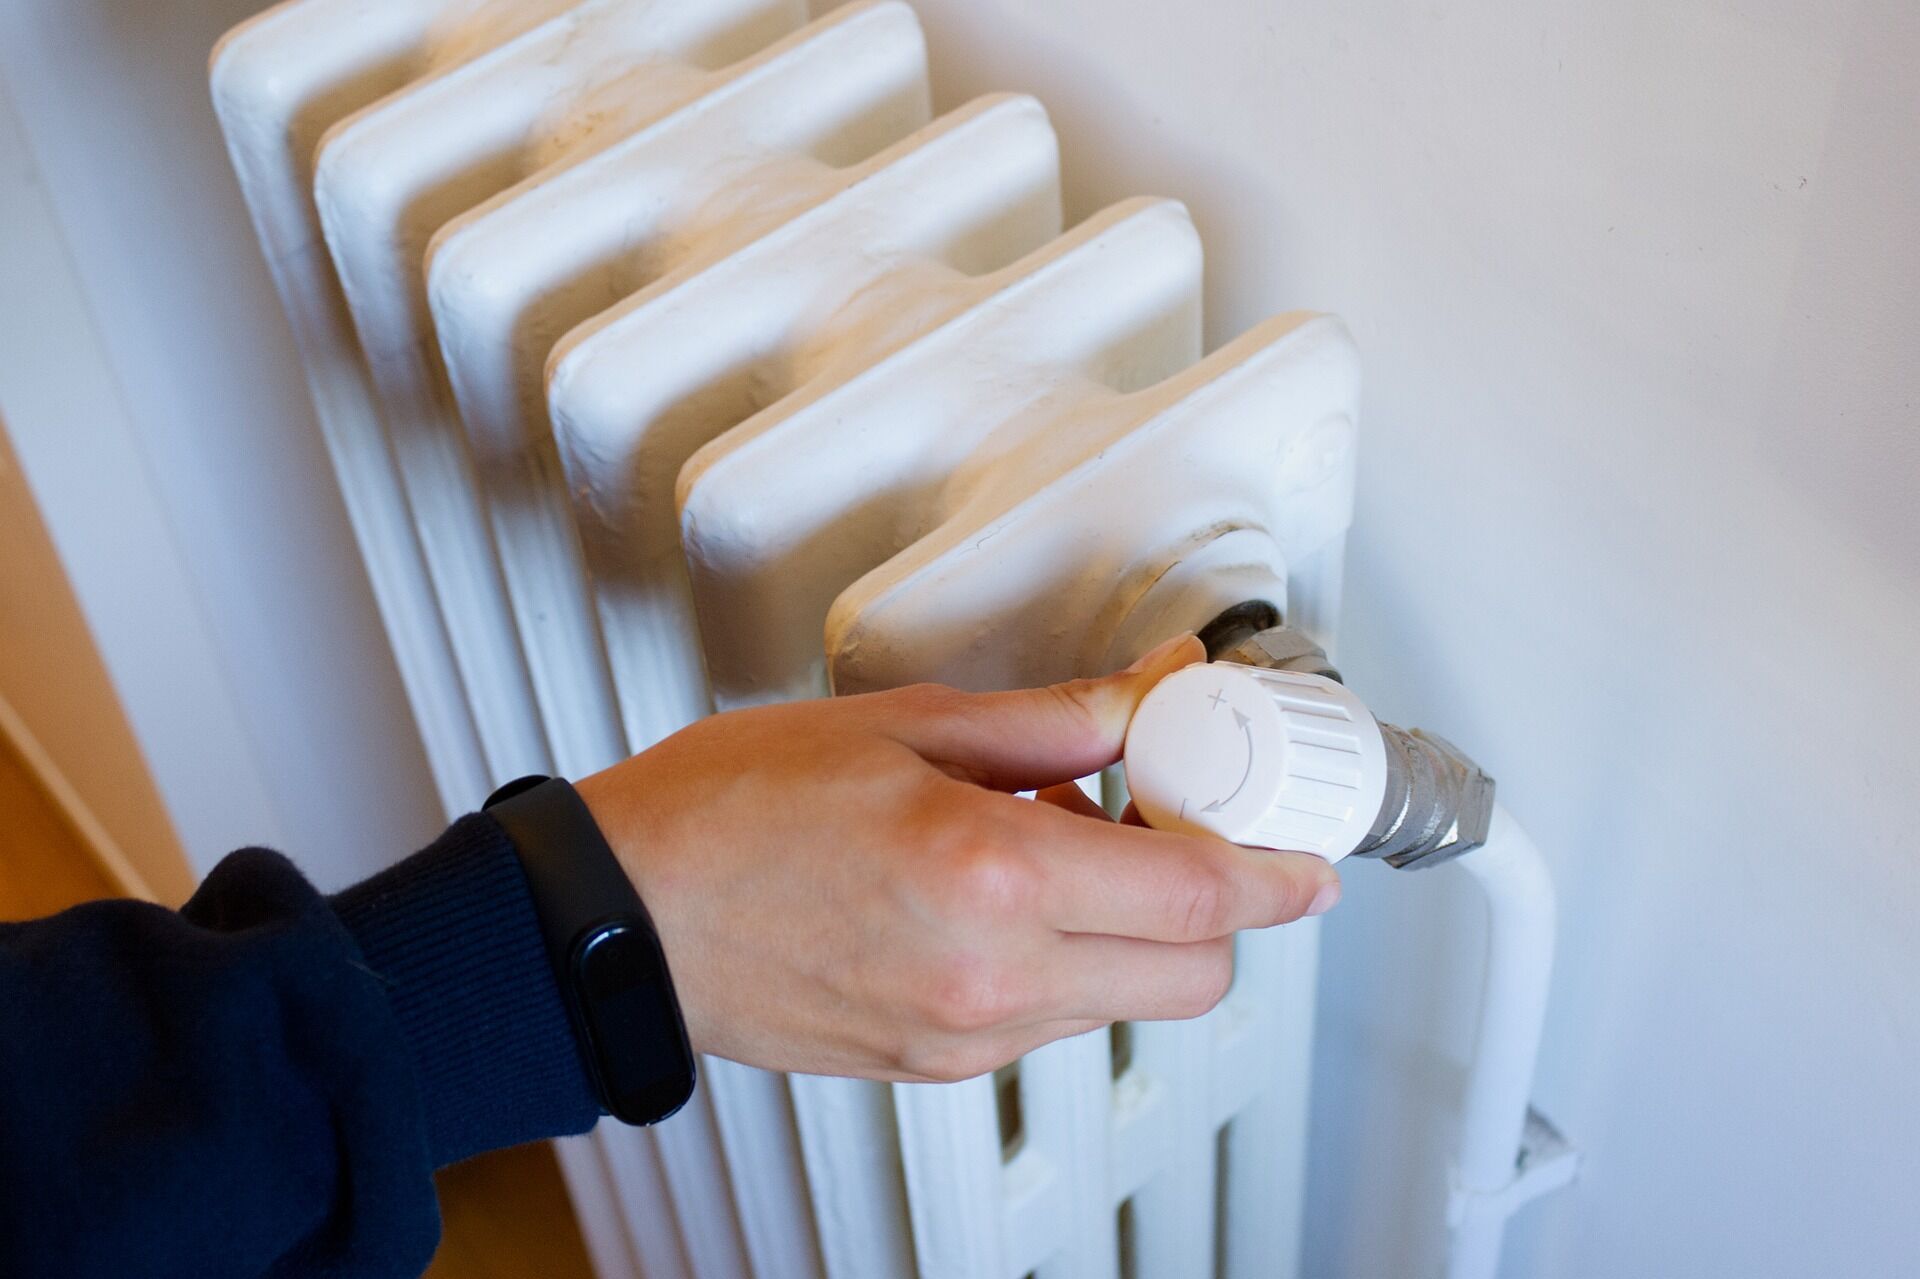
[1264,746]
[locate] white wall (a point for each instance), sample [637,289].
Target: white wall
[163,423]
[1636,285]
[79,463]
[1638,290]
[59,708]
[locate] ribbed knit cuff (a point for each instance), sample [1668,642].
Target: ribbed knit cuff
[452,933]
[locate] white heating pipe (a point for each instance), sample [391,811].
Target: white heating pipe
[1520,937]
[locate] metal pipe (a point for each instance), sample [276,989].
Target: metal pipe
[1438,807]
[1521,922]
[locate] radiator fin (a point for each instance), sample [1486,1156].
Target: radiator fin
[673,354]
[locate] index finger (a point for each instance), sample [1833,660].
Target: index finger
[1030,737]
[1098,876]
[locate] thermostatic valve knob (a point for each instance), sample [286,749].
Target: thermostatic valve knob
[1271,758]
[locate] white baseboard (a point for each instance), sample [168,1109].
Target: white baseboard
[106,853]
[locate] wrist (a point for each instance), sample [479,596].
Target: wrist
[606,956]
[626,822]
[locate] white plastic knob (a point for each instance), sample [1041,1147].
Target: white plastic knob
[1268,758]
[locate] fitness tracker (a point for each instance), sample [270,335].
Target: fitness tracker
[606,955]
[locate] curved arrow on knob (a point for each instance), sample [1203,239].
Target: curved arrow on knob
[1246,726]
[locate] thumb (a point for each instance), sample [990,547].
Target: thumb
[1033,737]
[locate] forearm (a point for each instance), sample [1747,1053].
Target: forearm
[265,1080]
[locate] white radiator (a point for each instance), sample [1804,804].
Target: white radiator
[656,340]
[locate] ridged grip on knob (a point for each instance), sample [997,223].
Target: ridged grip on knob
[1273,759]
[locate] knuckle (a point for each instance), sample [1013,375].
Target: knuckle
[969,997]
[1203,901]
[920,1058]
[941,1060]
[991,882]
[931,817]
[945,830]
[929,700]
[974,871]
[1210,982]
[1294,889]
[1074,702]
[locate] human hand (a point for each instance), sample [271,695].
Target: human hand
[850,887]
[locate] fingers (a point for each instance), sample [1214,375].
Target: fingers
[1124,979]
[1090,982]
[1069,796]
[1131,881]
[1032,737]
[950,1059]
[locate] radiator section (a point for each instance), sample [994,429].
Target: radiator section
[674,354]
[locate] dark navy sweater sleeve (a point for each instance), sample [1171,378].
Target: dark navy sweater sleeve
[263,1082]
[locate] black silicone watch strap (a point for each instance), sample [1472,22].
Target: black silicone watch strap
[575,877]
[580,892]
